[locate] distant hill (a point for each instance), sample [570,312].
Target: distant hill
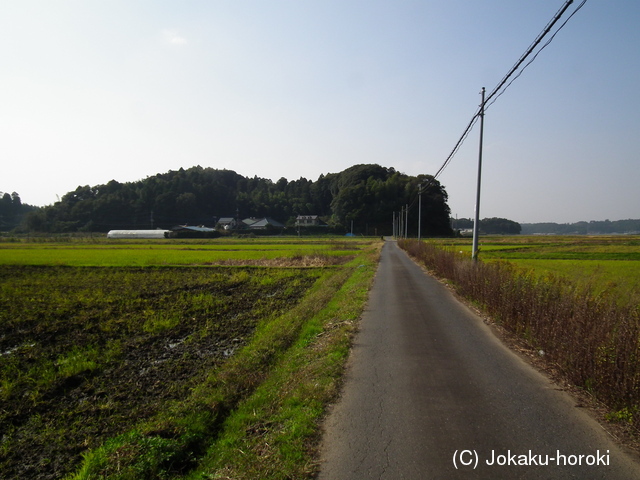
[366,195]
[583,228]
[489,226]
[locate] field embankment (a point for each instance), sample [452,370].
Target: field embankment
[587,334]
[188,363]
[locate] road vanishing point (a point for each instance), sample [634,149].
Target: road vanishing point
[430,392]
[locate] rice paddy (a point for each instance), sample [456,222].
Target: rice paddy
[161,252]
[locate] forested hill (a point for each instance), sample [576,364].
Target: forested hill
[365,194]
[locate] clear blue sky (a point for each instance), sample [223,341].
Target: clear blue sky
[93,90]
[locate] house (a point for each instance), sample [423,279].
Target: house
[307,220]
[228,223]
[262,224]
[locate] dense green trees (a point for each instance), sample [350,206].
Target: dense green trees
[500,226]
[490,226]
[366,195]
[12,210]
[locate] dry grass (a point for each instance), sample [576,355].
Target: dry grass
[314,261]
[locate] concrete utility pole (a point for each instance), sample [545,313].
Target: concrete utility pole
[476,219]
[419,211]
[393,226]
[406,223]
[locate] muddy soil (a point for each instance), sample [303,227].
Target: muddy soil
[46,426]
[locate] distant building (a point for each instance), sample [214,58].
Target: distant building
[228,223]
[307,220]
[263,224]
[186,231]
[138,233]
[190,228]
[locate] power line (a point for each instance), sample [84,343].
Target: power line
[497,95]
[497,92]
[531,48]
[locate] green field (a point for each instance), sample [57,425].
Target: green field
[608,264]
[166,252]
[139,359]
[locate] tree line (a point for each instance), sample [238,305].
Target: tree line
[363,195]
[592,227]
[490,226]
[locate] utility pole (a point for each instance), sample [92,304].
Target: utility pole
[393,226]
[419,211]
[406,224]
[476,219]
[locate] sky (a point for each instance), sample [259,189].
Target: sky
[95,90]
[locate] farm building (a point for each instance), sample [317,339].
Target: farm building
[263,223]
[307,220]
[248,221]
[186,231]
[228,223]
[138,233]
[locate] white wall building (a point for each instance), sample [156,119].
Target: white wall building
[137,233]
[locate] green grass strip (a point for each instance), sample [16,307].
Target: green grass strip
[274,433]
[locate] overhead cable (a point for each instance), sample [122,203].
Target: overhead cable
[497,95]
[531,48]
[499,90]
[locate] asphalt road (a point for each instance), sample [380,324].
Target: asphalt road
[430,388]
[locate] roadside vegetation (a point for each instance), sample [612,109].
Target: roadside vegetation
[608,265]
[584,327]
[213,366]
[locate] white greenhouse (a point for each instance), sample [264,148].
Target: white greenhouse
[137,233]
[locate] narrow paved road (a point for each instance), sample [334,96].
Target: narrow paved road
[427,378]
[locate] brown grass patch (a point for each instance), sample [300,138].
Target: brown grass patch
[314,261]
